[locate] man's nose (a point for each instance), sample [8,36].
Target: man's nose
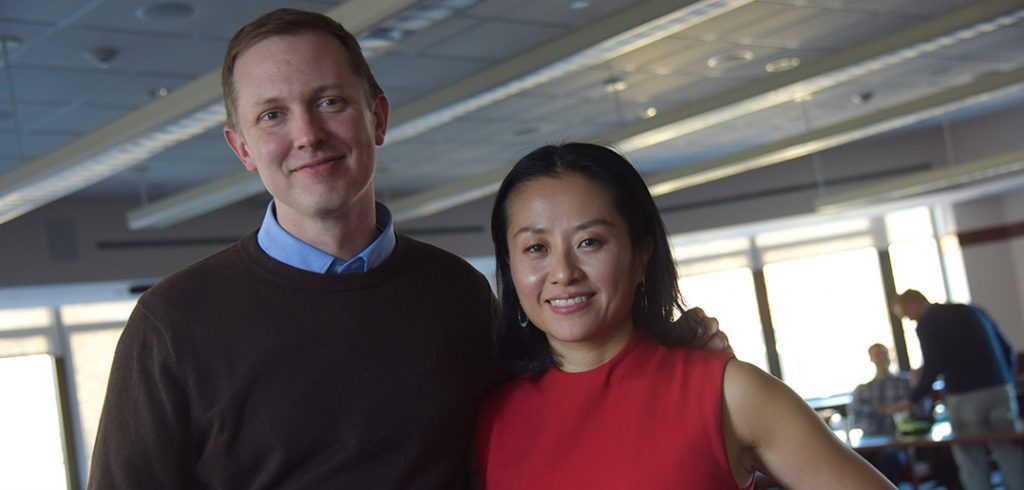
[307,130]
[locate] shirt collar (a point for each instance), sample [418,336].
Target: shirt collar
[285,247]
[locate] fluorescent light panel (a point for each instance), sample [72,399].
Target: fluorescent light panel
[446,197]
[161,213]
[601,52]
[985,170]
[140,134]
[838,134]
[827,79]
[59,181]
[915,42]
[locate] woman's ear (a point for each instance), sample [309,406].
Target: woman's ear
[643,258]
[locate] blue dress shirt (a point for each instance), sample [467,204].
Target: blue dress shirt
[285,247]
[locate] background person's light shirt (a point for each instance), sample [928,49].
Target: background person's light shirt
[285,247]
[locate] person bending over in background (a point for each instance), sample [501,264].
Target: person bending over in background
[964,345]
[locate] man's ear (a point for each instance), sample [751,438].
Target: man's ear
[238,145]
[380,119]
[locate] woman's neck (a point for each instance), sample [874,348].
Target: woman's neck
[577,357]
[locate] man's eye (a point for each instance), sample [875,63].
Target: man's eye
[330,102]
[270,116]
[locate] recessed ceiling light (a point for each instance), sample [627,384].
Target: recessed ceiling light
[10,42]
[381,38]
[731,59]
[615,84]
[578,4]
[156,93]
[421,18]
[782,64]
[458,4]
[165,11]
[102,56]
[650,112]
[862,98]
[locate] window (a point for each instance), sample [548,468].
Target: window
[93,354]
[29,343]
[919,263]
[827,310]
[729,296]
[31,449]
[915,264]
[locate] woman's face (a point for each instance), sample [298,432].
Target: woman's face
[572,263]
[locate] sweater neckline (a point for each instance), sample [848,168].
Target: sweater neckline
[313,280]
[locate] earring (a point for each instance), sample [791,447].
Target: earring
[523,320]
[643,297]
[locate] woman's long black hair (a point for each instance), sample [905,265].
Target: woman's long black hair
[655,307]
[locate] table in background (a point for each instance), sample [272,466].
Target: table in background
[941,434]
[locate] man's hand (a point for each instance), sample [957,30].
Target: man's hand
[710,338]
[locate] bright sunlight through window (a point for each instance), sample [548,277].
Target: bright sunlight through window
[729,296]
[31,451]
[827,310]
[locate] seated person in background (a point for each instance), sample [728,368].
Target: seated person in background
[606,397]
[873,406]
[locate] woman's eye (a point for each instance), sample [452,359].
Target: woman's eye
[534,248]
[589,243]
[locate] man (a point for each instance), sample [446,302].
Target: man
[964,345]
[873,406]
[324,350]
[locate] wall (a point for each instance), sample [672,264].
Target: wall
[77,240]
[994,266]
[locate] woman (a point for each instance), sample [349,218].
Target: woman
[604,398]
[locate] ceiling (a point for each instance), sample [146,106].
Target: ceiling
[682,86]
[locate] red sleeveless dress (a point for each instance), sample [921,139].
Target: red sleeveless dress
[650,418]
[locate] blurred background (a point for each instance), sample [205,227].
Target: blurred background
[811,158]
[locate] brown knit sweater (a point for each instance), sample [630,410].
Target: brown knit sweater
[241,372]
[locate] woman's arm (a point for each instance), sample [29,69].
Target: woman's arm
[769,428]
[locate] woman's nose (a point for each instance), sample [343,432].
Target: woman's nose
[564,268]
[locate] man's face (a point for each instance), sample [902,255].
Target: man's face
[879,356]
[304,123]
[910,309]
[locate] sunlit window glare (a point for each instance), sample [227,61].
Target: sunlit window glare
[31,448]
[90,313]
[24,318]
[827,310]
[94,353]
[729,296]
[915,264]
